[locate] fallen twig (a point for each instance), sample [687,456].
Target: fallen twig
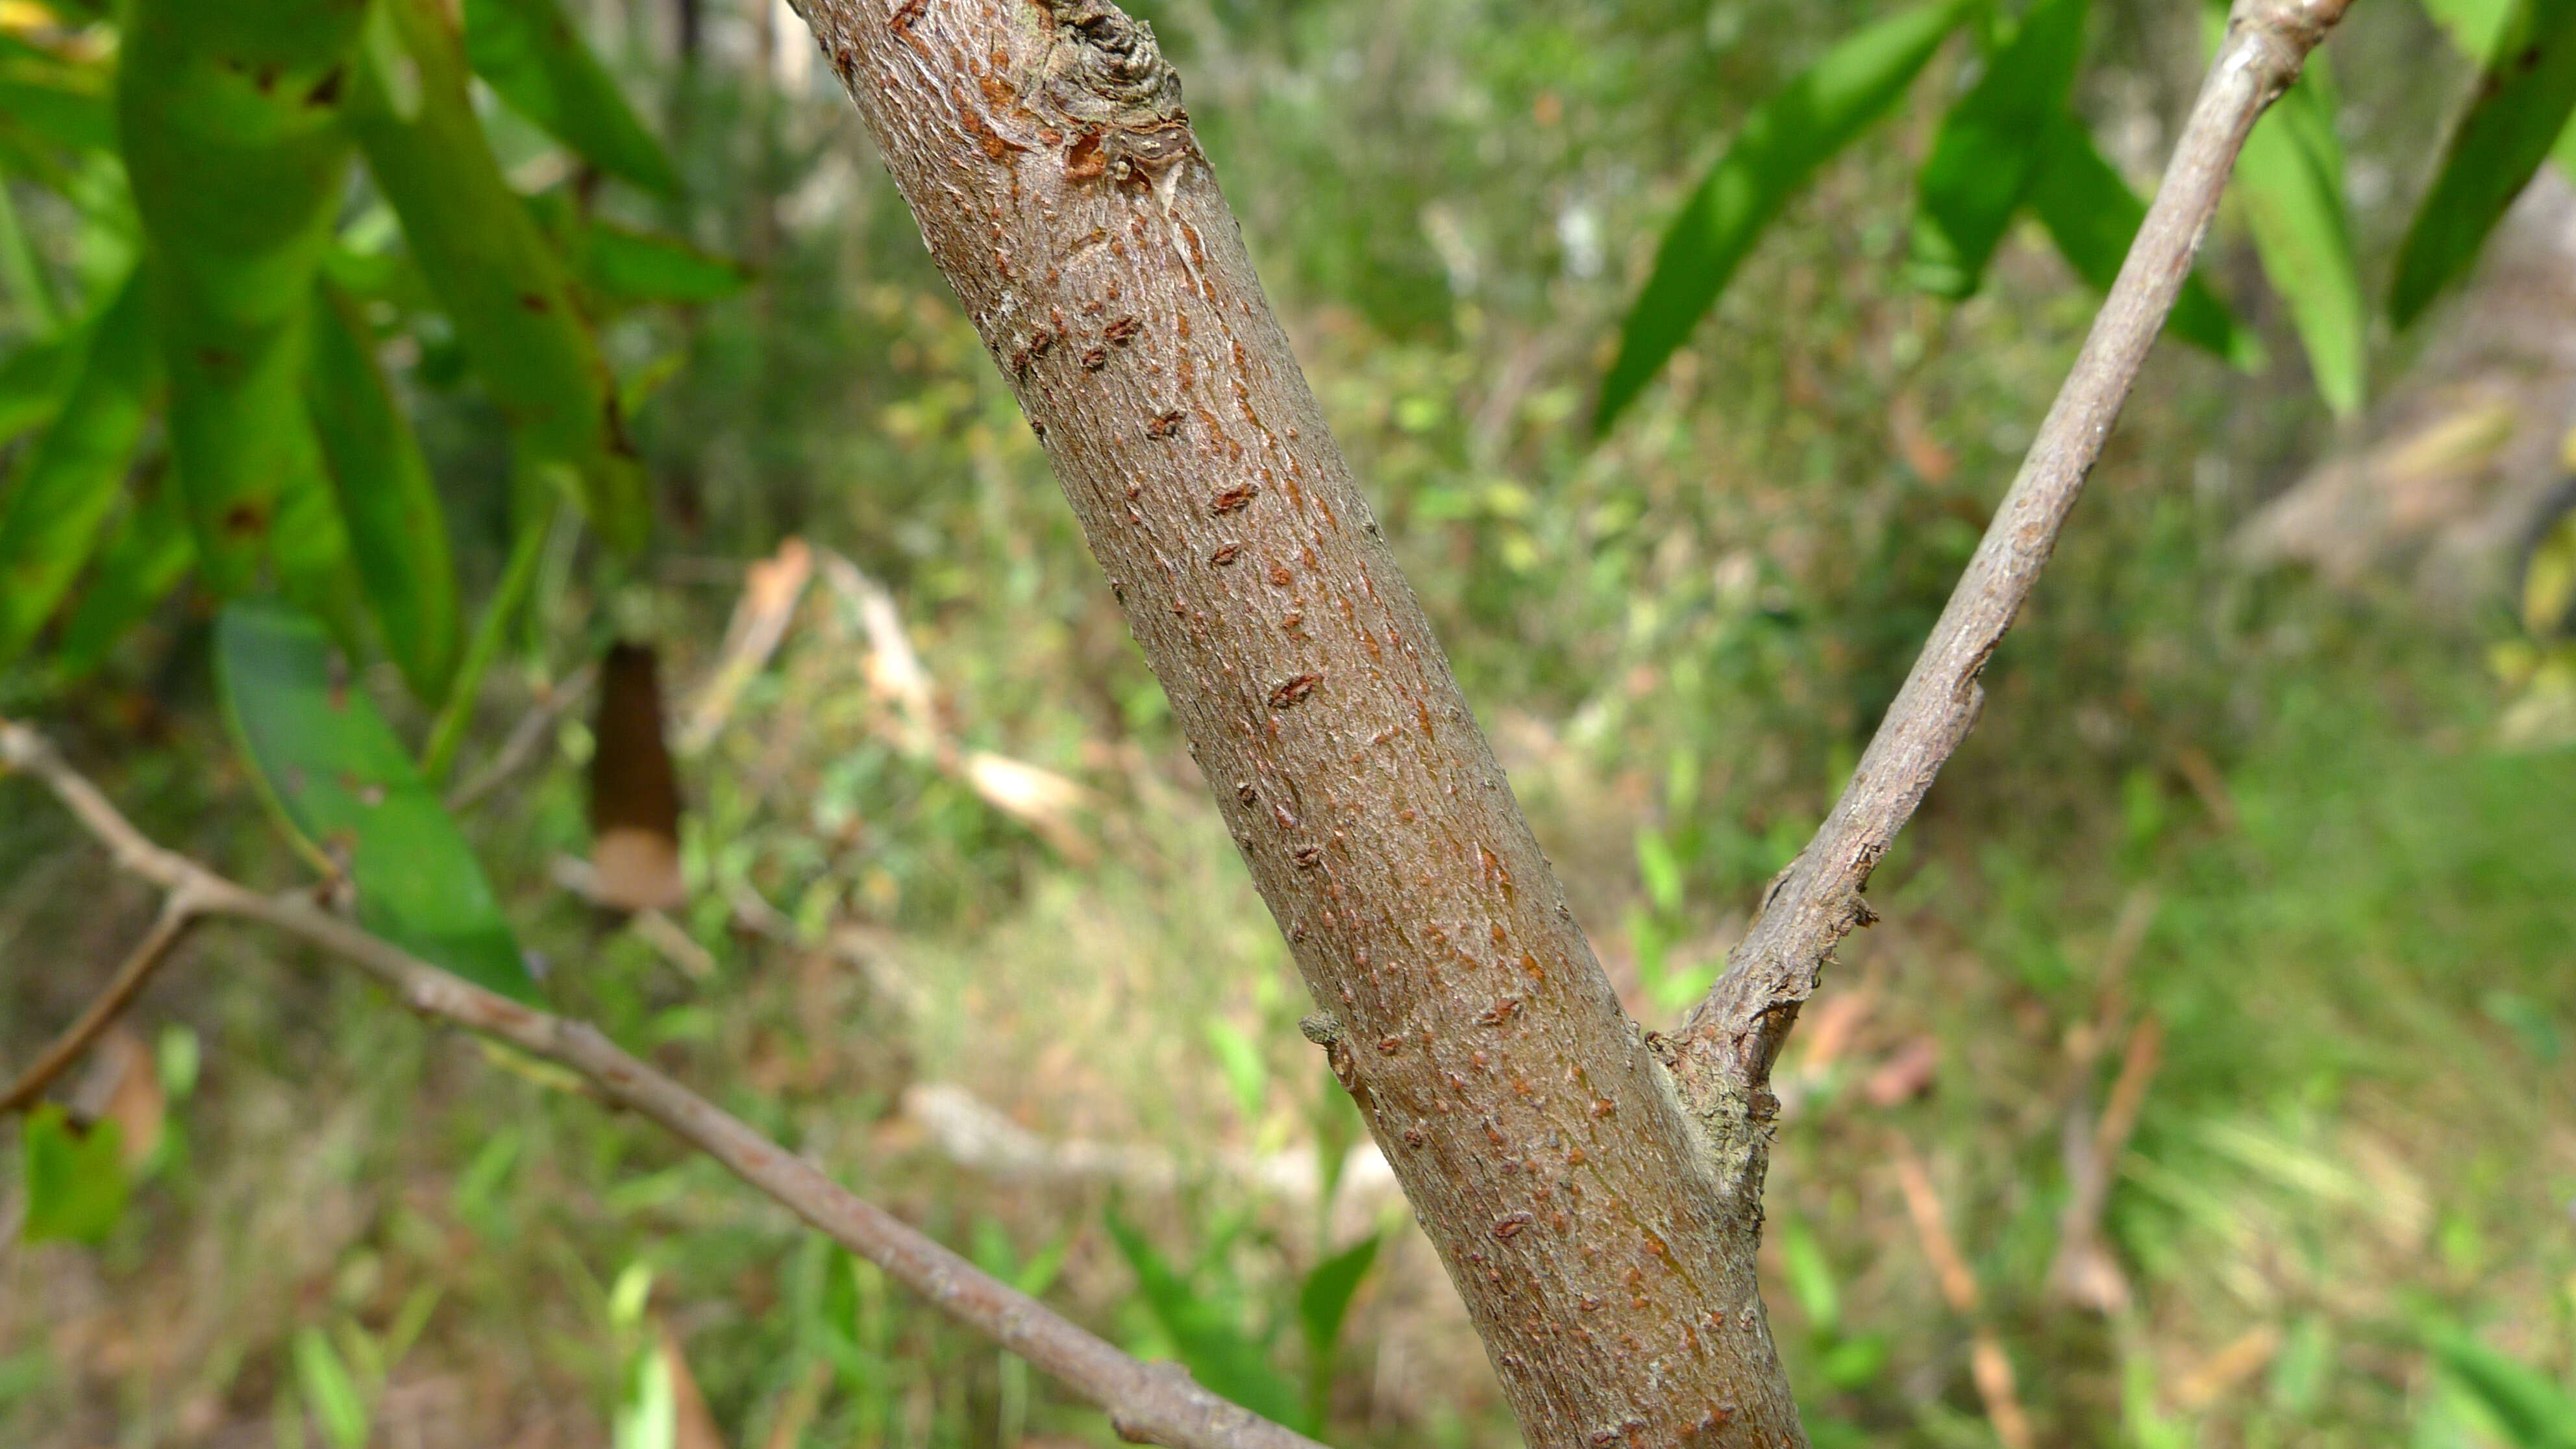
[1035,796]
[1154,1403]
[1988,1364]
[2083,1271]
[771,588]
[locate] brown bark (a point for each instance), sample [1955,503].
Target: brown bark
[1044,150]
[1601,1234]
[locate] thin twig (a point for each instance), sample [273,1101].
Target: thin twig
[533,731]
[1733,1036]
[178,912]
[1154,1403]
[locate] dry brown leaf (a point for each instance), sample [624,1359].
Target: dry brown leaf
[122,1084]
[770,591]
[1906,1075]
[1994,1375]
[693,1426]
[2222,1372]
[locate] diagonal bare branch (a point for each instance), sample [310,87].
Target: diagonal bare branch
[179,911]
[1726,1051]
[1150,1403]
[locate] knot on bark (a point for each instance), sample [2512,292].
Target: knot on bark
[2297,26]
[1103,66]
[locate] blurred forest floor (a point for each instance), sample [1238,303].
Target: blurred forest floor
[2245,831]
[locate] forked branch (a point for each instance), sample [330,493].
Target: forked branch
[1727,1049]
[1150,1403]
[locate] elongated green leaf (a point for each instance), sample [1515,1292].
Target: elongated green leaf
[2092,215]
[2535,1412]
[2476,26]
[1215,1348]
[76,1184]
[50,100]
[63,117]
[617,264]
[308,541]
[330,1391]
[636,267]
[143,561]
[536,61]
[509,293]
[397,530]
[34,379]
[2290,177]
[1771,158]
[52,515]
[1323,1302]
[230,120]
[2522,106]
[1989,148]
[346,787]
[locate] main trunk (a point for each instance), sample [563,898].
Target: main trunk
[1044,151]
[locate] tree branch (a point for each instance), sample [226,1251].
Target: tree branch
[1150,1403]
[1047,158]
[1727,1048]
[179,911]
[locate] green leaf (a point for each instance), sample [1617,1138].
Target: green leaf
[308,541]
[1247,1076]
[635,267]
[76,1184]
[350,794]
[230,120]
[2476,26]
[52,516]
[1771,158]
[143,561]
[1323,1302]
[1216,1350]
[536,61]
[2521,108]
[2532,1411]
[329,1391]
[77,120]
[47,99]
[34,379]
[397,530]
[2093,216]
[618,264]
[2290,177]
[1660,869]
[508,291]
[1811,1278]
[1989,148]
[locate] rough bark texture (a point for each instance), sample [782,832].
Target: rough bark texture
[1725,1054]
[1045,153]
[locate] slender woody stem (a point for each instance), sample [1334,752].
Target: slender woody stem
[1732,1037]
[1150,1403]
[179,911]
